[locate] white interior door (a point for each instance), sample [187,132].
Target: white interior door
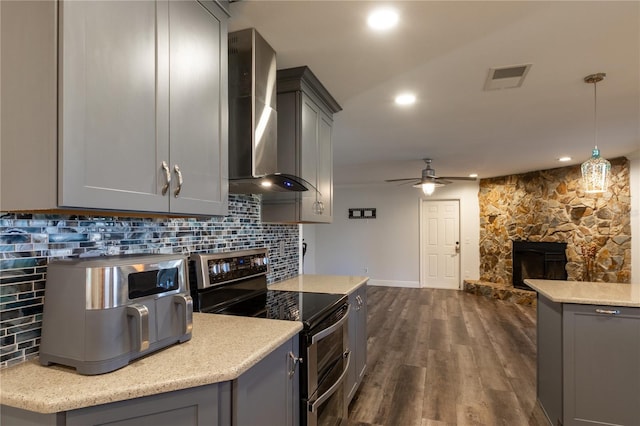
[440,244]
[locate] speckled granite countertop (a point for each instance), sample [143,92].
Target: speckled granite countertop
[335,284]
[588,293]
[221,349]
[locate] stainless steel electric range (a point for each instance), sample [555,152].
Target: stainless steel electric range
[235,283]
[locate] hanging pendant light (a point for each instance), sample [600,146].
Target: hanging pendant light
[595,171]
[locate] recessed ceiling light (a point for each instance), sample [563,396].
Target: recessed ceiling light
[382,19]
[406,99]
[564,159]
[473,175]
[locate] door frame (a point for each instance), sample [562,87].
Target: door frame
[421,239]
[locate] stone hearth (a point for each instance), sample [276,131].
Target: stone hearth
[504,292]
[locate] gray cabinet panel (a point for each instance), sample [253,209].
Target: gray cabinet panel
[325,167]
[357,340]
[265,395]
[601,365]
[110,146]
[549,336]
[361,342]
[309,155]
[205,405]
[195,406]
[28,151]
[197,120]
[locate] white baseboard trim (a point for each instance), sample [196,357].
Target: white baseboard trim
[386,283]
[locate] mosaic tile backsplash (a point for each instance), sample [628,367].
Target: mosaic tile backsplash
[29,241]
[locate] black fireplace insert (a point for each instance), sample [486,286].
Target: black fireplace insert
[538,260]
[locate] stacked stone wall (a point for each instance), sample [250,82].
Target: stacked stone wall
[550,205]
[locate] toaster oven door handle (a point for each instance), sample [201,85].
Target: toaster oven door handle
[187,306]
[140,315]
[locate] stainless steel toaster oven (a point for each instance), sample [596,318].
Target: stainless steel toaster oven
[101,313]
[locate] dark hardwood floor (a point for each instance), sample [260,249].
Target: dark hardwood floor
[446,357]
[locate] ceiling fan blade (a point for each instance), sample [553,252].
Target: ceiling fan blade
[442,181]
[457,178]
[400,180]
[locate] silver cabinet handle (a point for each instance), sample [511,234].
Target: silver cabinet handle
[140,315]
[293,361]
[359,302]
[187,306]
[167,177]
[608,311]
[180,181]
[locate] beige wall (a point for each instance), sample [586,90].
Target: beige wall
[388,246]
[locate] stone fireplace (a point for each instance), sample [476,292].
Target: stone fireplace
[538,260]
[549,206]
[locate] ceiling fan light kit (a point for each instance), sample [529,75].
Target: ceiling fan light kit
[595,171]
[429,181]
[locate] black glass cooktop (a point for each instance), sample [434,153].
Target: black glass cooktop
[309,308]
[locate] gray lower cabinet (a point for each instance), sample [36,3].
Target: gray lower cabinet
[357,340]
[549,358]
[305,148]
[206,405]
[268,394]
[588,363]
[137,114]
[601,365]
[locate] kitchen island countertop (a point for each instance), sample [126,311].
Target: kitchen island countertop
[588,293]
[335,284]
[221,349]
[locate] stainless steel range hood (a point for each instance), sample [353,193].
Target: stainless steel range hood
[253,137]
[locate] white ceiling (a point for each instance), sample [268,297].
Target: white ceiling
[442,51]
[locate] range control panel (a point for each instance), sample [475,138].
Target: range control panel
[218,268]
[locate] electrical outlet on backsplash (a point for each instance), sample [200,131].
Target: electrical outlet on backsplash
[29,241]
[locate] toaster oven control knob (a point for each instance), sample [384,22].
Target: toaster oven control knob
[225,267]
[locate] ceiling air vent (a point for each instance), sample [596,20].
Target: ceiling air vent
[506,77]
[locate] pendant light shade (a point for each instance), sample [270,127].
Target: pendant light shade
[595,171]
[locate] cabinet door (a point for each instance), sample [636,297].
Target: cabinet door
[198,108]
[601,365]
[267,394]
[357,340]
[310,117]
[361,336]
[325,168]
[112,130]
[549,359]
[194,406]
[352,376]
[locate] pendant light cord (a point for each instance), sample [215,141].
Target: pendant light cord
[595,113]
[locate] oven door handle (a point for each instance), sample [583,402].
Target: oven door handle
[327,331]
[312,406]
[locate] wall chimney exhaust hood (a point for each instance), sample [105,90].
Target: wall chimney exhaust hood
[253,137]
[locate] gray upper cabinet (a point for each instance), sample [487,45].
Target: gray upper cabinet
[305,148]
[141,107]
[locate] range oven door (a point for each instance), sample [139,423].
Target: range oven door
[327,366]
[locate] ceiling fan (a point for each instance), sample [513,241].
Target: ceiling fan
[429,181]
